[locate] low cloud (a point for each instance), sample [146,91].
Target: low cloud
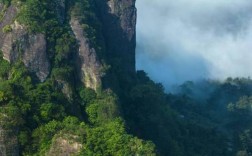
[189,40]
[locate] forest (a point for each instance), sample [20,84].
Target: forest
[134,117]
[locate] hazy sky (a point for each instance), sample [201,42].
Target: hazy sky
[192,39]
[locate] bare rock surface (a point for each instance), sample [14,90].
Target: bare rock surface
[65,146]
[19,44]
[90,66]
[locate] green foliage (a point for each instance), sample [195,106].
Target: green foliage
[72,123]
[246,142]
[5,2]
[103,109]
[63,73]
[44,134]
[63,48]
[10,117]
[50,111]
[147,106]
[111,139]
[4,68]
[86,13]
[87,95]
[23,138]
[7,29]
[33,14]
[244,105]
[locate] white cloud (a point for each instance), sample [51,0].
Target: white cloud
[189,40]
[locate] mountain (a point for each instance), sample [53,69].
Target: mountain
[64,47]
[68,86]
[102,37]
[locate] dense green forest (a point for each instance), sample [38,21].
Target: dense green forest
[205,118]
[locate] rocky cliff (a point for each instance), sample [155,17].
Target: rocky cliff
[8,143]
[16,43]
[88,64]
[118,21]
[104,38]
[118,18]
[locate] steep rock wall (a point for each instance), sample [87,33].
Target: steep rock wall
[8,143]
[119,29]
[65,145]
[87,62]
[18,43]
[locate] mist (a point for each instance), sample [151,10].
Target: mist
[192,40]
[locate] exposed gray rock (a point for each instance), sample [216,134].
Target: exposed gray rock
[65,145]
[88,63]
[8,136]
[8,17]
[34,55]
[66,89]
[9,40]
[30,48]
[8,143]
[126,11]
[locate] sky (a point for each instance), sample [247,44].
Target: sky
[185,40]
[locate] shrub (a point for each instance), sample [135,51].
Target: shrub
[7,29]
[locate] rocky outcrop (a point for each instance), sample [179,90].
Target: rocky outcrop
[119,28]
[65,145]
[65,88]
[8,143]
[34,55]
[126,12]
[7,17]
[87,60]
[118,21]
[17,43]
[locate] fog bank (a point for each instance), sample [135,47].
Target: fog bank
[189,40]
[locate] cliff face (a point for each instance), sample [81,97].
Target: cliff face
[17,43]
[118,19]
[119,28]
[118,22]
[64,145]
[8,143]
[88,65]
[55,56]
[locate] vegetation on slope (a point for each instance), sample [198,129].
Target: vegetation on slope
[41,112]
